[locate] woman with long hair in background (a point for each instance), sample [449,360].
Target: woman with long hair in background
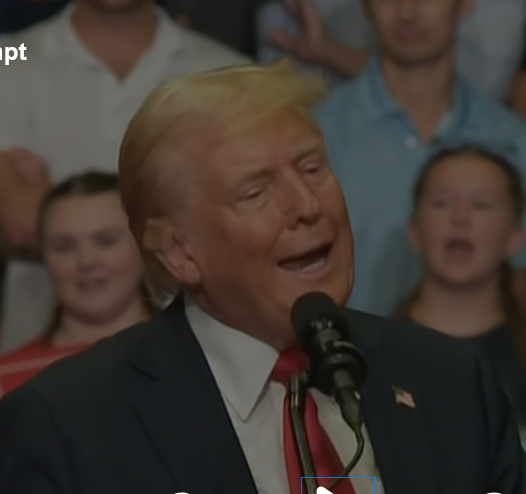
[96,269]
[466,226]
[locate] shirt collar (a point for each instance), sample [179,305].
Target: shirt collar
[240,363]
[64,41]
[379,103]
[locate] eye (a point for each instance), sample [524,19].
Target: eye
[62,246]
[312,167]
[252,194]
[107,239]
[482,204]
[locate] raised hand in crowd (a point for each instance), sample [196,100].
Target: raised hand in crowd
[30,167]
[313,40]
[314,44]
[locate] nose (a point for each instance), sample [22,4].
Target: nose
[460,213]
[406,8]
[298,201]
[86,257]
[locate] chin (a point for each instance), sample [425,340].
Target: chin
[96,311]
[410,58]
[459,282]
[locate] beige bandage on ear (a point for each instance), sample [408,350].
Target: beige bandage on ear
[157,235]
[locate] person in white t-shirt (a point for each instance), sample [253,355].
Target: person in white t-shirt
[64,110]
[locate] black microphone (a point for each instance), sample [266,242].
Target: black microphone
[336,366]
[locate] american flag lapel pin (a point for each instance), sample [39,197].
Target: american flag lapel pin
[403,397]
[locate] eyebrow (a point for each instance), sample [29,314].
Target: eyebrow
[477,190]
[256,171]
[307,148]
[98,231]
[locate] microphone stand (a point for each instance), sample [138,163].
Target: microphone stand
[297,390]
[350,410]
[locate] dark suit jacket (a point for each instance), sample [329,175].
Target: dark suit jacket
[140,413]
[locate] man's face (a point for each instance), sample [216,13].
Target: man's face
[265,223]
[416,32]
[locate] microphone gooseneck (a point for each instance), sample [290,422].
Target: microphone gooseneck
[336,367]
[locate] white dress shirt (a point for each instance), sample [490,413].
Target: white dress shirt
[242,367]
[65,105]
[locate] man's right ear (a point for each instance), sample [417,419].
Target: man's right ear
[173,252]
[178,259]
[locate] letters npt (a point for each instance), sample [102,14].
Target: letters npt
[10,53]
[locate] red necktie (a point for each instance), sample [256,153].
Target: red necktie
[325,458]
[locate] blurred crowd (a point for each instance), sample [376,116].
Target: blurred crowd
[425,127]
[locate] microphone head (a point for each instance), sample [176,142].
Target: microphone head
[319,325]
[308,308]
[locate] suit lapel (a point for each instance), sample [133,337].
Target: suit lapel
[182,411]
[398,433]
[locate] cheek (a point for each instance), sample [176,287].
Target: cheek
[62,268]
[332,201]
[238,239]
[442,32]
[430,238]
[382,17]
[493,241]
[429,233]
[124,262]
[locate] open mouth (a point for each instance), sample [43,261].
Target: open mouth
[460,246]
[311,261]
[89,286]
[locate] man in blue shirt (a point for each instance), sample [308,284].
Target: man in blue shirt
[381,127]
[337,35]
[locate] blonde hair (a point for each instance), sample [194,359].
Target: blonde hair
[194,109]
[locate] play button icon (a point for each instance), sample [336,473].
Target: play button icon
[322,490]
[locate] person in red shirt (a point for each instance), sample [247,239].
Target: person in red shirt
[96,269]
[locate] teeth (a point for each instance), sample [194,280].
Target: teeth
[314,266]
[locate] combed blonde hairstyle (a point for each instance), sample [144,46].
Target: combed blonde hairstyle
[196,109]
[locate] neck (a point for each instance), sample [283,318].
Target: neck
[426,93]
[462,314]
[74,331]
[133,24]
[117,39]
[272,335]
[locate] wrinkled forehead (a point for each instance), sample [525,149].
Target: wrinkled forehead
[278,139]
[212,152]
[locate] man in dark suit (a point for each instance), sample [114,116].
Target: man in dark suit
[230,195]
